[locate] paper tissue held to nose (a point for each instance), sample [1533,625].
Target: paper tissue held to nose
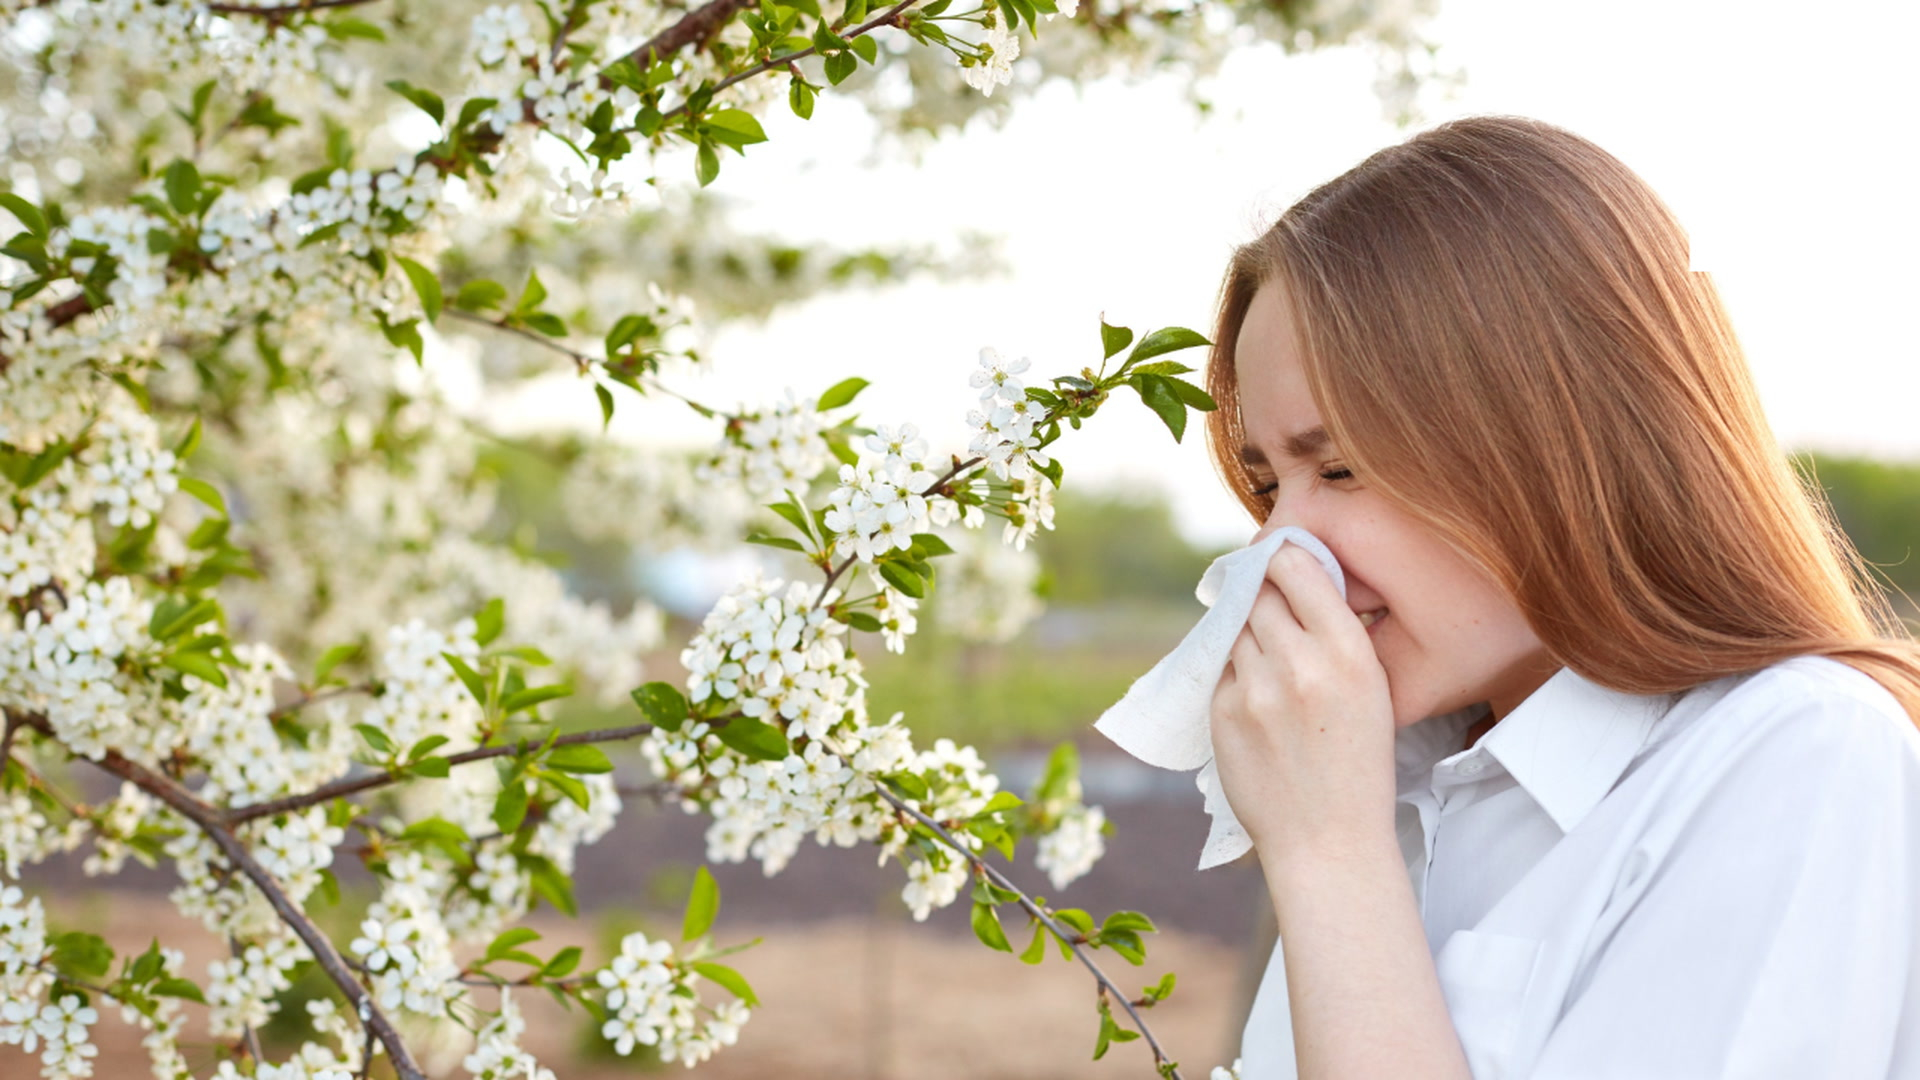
[1164,718]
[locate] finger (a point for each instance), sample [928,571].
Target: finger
[1272,621]
[1245,652]
[1311,596]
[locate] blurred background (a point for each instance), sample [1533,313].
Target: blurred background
[1778,135]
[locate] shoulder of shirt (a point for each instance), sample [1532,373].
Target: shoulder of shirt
[1803,704]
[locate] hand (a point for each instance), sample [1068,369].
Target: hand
[1303,722]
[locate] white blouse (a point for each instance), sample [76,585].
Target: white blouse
[1719,883]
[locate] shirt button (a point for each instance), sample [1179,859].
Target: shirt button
[1472,767]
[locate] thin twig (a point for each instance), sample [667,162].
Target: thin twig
[585,362]
[305,700]
[341,788]
[1106,984]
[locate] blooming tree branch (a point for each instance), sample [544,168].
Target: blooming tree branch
[251,562]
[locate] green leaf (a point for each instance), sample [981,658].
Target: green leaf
[786,543]
[532,295]
[176,987]
[1002,800]
[205,492]
[575,791]
[406,335]
[756,739]
[546,322]
[531,696]
[438,830]
[549,883]
[903,579]
[1114,338]
[735,128]
[931,544]
[480,295]
[428,101]
[382,744]
[703,904]
[1126,943]
[1127,920]
[199,664]
[470,678]
[170,621]
[793,515]
[605,397]
[147,965]
[730,979]
[509,941]
[1160,396]
[911,785]
[526,653]
[841,393]
[839,66]
[800,99]
[627,330]
[182,182]
[510,806]
[624,72]
[1194,396]
[663,706]
[1081,922]
[331,659]
[706,166]
[489,621]
[986,927]
[1159,991]
[189,442]
[1160,367]
[579,758]
[868,49]
[82,955]
[424,283]
[341,28]
[436,767]
[30,216]
[860,620]
[562,964]
[1036,950]
[1165,340]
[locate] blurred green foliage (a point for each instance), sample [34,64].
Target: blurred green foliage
[1878,504]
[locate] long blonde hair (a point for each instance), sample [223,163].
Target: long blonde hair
[1502,335]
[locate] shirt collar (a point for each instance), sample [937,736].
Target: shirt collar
[1566,744]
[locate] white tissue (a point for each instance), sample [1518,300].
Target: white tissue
[1164,717]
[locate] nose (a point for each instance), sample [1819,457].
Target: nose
[1285,514]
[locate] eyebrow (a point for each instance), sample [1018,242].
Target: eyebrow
[1304,445]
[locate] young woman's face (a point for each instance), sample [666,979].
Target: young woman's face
[1447,635]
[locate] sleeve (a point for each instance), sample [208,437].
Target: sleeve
[1776,937]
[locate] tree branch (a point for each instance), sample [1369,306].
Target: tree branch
[695,26]
[217,828]
[342,788]
[282,11]
[888,17]
[1160,1058]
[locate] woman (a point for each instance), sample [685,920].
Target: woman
[1607,765]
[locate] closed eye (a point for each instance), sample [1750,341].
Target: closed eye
[1331,476]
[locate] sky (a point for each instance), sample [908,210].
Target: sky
[1783,143]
